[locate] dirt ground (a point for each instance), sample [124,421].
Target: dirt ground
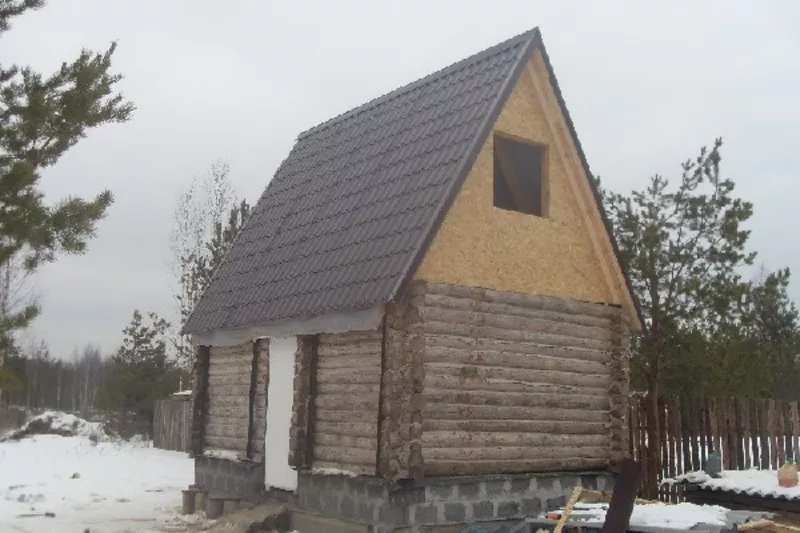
[238,521]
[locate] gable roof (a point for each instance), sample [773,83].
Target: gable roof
[348,216]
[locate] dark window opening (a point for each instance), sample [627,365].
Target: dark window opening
[519,176]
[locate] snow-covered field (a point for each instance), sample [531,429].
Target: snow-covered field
[89,481]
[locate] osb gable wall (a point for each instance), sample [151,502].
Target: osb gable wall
[228,416]
[344,422]
[482,246]
[519,383]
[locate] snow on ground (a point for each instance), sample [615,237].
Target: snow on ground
[677,516]
[58,423]
[108,486]
[754,482]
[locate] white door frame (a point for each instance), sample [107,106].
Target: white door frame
[280,395]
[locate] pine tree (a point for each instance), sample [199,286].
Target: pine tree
[141,371]
[41,117]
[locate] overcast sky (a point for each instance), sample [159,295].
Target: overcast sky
[647,84]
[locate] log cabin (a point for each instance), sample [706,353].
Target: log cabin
[425,320]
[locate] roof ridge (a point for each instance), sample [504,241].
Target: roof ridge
[527,35]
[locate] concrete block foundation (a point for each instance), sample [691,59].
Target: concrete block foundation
[421,506]
[417,506]
[242,479]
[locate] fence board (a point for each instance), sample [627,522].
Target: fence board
[172,424]
[746,432]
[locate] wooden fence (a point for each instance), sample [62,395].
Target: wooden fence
[172,422]
[746,432]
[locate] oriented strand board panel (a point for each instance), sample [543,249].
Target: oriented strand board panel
[482,246]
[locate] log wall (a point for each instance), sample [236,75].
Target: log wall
[228,417]
[516,382]
[260,382]
[344,426]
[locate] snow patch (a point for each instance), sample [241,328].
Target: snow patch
[222,454]
[677,516]
[120,486]
[754,482]
[182,393]
[333,472]
[58,423]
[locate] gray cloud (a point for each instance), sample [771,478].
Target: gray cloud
[646,83]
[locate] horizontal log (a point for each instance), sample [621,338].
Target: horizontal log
[225,443]
[456,411]
[231,431]
[466,343]
[349,375]
[354,429]
[217,420]
[472,439]
[215,409]
[490,332]
[454,302]
[441,377]
[344,402]
[344,415]
[360,470]
[215,390]
[238,378]
[350,337]
[346,441]
[348,361]
[365,349]
[509,399]
[216,398]
[516,323]
[505,453]
[561,464]
[227,370]
[528,364]
[534,301]
[344,456]
[365,389]
[517,426]
[230,357]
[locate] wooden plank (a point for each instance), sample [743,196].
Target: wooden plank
[705,441]
[795,417]
[771,435]
[784,448]
[493,439]
[662,438]
[505,453]
[559,464]
[675,444]
[736,433]
[669,437]
[695,432]
[680,467]
[763,435]
[722,420]
[686,438]
[713,425]
[747,446]
[519,426]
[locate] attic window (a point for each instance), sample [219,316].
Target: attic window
[519,176]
